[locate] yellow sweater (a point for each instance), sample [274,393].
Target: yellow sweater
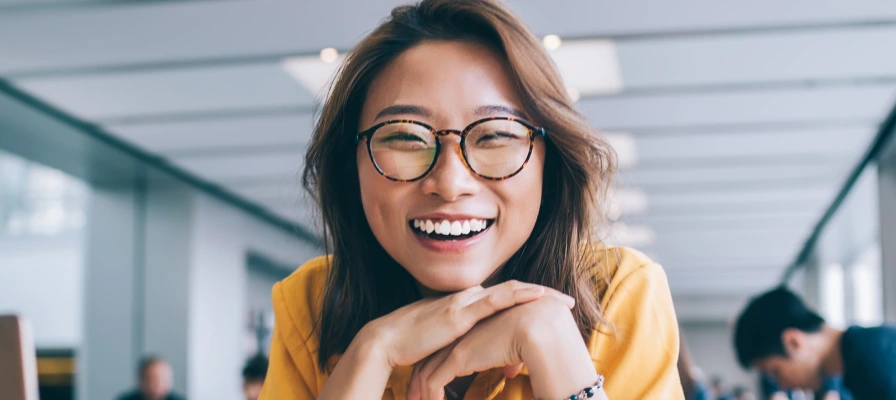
[638,361]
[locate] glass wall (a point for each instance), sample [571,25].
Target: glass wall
[42,217]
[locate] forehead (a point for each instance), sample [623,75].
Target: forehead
[157,368]
[448,77]
[769,363]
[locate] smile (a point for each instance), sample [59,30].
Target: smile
[450,230]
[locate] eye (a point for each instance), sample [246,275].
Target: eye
[401,137]
[401,141]
[496,138]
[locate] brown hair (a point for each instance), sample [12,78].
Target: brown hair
[364,282]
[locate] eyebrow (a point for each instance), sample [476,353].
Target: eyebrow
[404,109]
[482,111]
[489,110]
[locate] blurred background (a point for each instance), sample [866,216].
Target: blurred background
[149,159]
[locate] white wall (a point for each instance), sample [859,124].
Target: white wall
[887,199]
[221,238]
[258,289]
[712,351]
[42,281]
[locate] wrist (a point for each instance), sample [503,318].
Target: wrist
[558,360]
[361,370]
[370,346]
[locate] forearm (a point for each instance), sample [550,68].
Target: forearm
[361,373]
[559,364]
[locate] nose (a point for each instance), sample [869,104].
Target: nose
[450,178]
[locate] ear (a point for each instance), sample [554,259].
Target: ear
[793,340]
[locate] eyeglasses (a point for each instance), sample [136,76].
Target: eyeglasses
[494,148]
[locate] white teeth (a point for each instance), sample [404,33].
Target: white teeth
[448,228]
[444,228]
[456,228]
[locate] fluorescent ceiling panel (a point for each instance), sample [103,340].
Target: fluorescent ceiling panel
[591,67]
[626,149]
[313,73]
[627,201]
[623,234]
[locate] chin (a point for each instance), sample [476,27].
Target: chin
[453,280]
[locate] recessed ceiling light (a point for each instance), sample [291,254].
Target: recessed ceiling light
[589,66]
[574,95]
[626,148]
[329,55]
[551,42]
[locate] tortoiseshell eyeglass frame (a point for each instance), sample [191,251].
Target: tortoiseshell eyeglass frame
[533,133]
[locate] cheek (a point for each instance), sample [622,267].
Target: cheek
[373,193]
[521,195]
[382,200]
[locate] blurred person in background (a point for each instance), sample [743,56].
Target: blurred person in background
[253,376]
[718,389]
[780,336]
[155,380]
[450,167]
[691,378]
[742,393]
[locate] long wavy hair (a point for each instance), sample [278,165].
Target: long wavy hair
[363,281]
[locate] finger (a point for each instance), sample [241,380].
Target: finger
[476,293]
[511,371]
[444,372]
[565,298]
[503,296]
[414,392]
[426,369]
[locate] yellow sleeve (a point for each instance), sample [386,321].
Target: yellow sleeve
[283,381]
[292,369]
[639,359]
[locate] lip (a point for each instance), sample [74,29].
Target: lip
[451,246]
[448,216]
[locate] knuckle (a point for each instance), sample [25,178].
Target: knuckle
[492,301]
[457,356]
[455,314]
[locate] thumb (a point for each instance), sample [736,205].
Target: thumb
[511,371]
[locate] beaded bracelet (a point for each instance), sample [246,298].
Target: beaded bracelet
[589,391]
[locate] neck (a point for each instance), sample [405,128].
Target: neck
[832,358]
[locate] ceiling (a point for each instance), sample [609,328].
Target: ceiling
[747,116]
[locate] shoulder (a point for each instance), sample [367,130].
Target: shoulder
[869,354]
[132,395]
[297,300]
[306,283]
[870,344]
[620,268]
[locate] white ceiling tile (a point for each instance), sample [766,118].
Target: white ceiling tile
[219,89]
[795,56]
[866,103]
[254,166]
[218,134]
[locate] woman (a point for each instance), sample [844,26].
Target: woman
[433,228]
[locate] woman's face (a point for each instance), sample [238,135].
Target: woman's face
[448,85]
